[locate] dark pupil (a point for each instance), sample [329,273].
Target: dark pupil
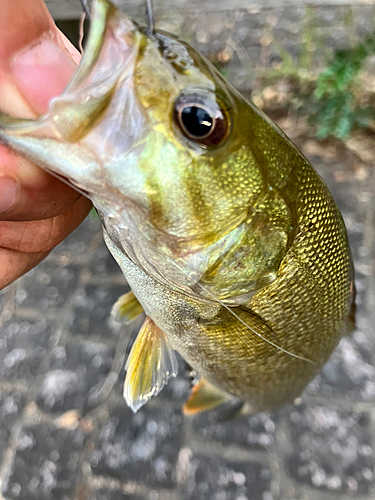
[196,121]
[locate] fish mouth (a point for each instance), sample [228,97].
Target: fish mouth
[88,131]
[109,44]
[94,107]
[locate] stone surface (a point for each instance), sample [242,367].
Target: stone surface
[45,465]
[218,479]
[23,347]
[91,310]
[142,447]
[11,405]
[350,371]
[255,432]
[115,495]
[48,286]
[333,450]
[77,373]
[103,262]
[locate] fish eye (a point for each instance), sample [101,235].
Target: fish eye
[201,119]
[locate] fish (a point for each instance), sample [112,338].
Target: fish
[232,244]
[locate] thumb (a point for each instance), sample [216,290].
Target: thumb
[36,63]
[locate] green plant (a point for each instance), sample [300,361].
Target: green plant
[334,105]
[300,69]
[94,213]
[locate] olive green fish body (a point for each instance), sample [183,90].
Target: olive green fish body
[229,239]
[305,309]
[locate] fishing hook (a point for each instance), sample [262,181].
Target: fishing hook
[149,14]
[86,14]
[86,8]
[150,17]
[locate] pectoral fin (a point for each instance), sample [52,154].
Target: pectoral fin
[151,363]
[204,396]
[127,308]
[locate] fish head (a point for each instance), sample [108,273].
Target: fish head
[197,184]
[152,133]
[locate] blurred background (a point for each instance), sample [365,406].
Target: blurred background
[65,431]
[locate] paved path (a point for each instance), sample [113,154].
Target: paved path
[71,9]
[245,36]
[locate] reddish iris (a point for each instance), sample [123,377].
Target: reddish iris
[201,119]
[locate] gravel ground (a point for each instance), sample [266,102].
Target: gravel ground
[66,433]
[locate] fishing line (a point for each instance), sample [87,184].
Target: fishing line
[86,8]
[86,14]
[81,31]
[302,358]
[150,17]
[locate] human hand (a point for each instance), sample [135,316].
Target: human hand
[37,211]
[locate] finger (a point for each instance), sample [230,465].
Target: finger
[42,71]
[40,236]
[35,198]
[14,264]
[34,57]
[35,65]
[21,24]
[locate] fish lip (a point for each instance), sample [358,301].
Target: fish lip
[111,34]
[104,70]
[105,19]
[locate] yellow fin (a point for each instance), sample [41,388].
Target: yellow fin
[150,364]
[127,308]
[203,397]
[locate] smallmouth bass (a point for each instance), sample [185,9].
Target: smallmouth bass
[230,241]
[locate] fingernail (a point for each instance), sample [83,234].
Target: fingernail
[42,72]
[8,194]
